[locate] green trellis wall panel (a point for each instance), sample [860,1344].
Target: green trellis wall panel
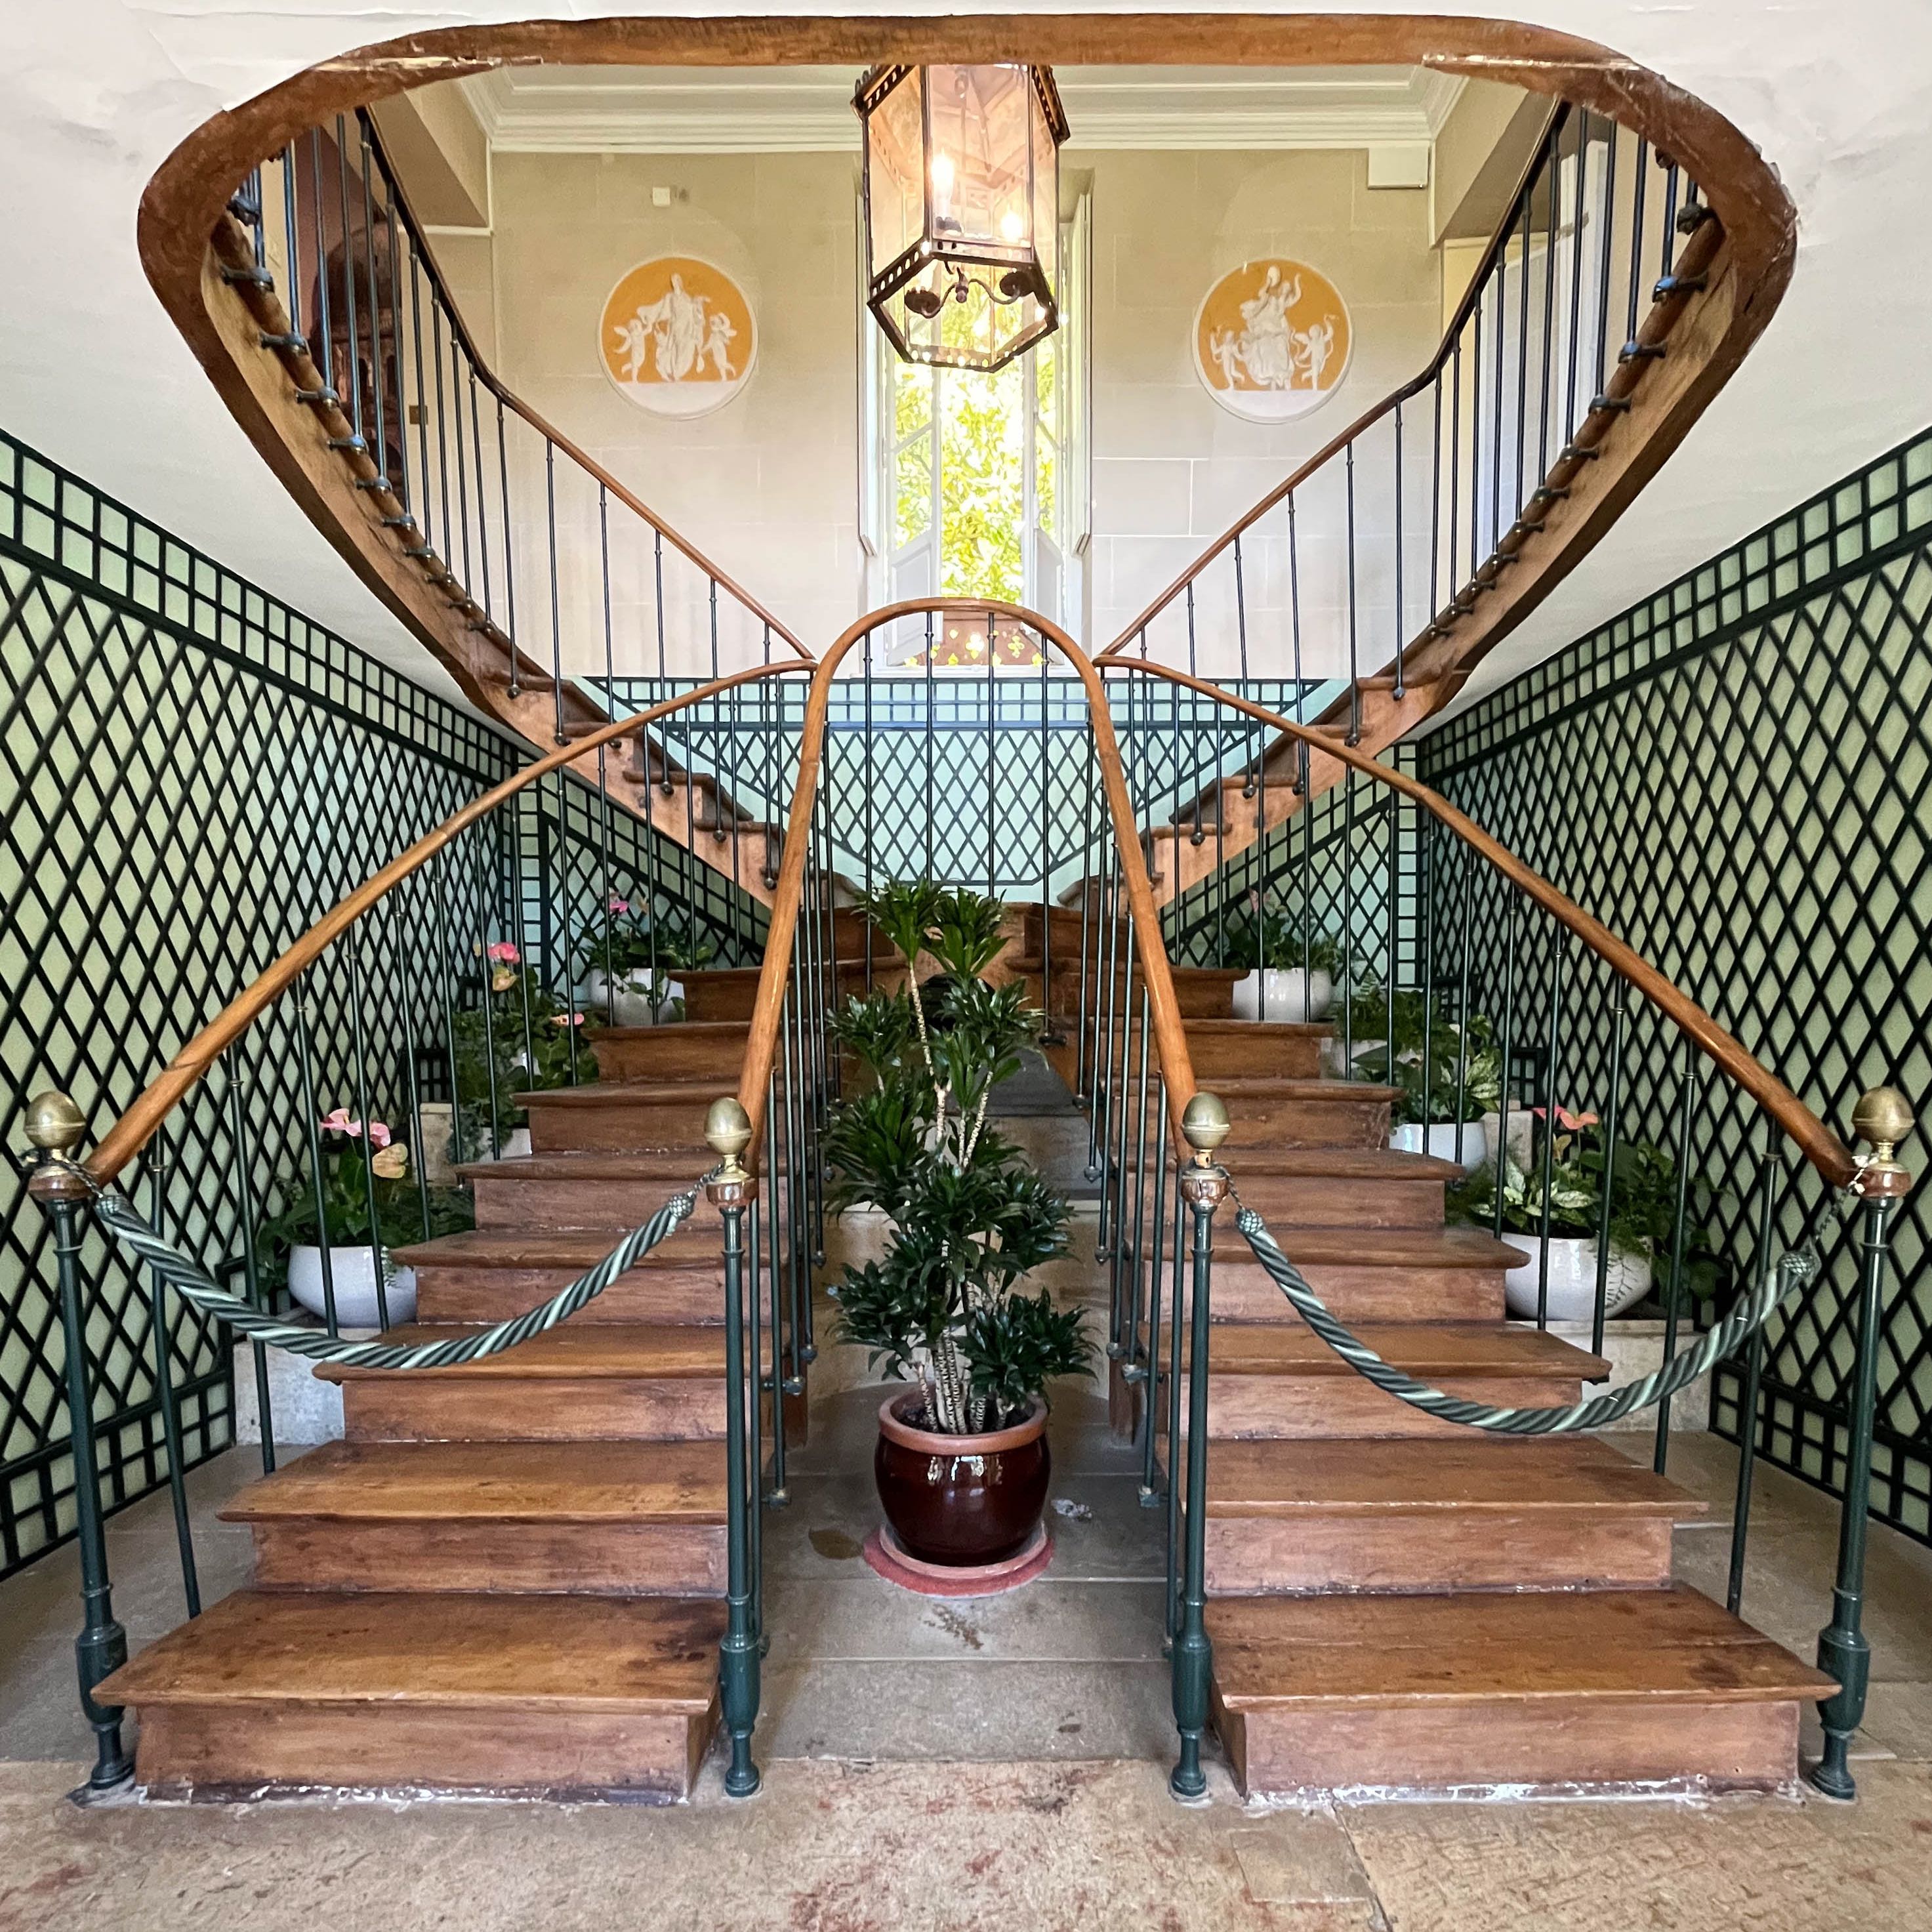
[190,774]
[1733,776]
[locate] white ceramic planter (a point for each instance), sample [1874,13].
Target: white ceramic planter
[630,1001]
[1285,995]
[353,1270]
[1439,1141]
[1522,1136]
[1572,1278]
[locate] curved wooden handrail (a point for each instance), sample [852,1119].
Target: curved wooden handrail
[1821,1147]
[544,428]
[1157,974]
[132,1130]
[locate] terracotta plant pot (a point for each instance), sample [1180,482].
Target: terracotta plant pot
[961,1499]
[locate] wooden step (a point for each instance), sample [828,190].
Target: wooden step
[493,1274]
[1202,992]
[627,1115]
[1340,1187]
[1266,1115]
[730,993]
[638,1518]
[610,1188]
[1364,1274]
[1285,1383]
[691,1050]
[1482,1513]
[617,1382]
[1595,1689]
[559,1697]
[1217,1049]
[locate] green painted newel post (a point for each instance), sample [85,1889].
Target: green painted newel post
[731,1188]
[55,1126]
[1204,1185]
[1882,1118]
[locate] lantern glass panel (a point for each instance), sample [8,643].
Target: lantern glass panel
[896,170]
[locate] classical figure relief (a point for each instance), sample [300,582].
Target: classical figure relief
[677,336]
[1271,339]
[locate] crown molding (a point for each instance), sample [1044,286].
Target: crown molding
[808,110]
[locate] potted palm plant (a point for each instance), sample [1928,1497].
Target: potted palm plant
[1291,965]
[962,1464]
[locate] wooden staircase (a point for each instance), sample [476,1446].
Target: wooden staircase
[1398,1602]
[509,1576]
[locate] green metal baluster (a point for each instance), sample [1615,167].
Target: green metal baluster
[1883,1117]
[1754,1371]
[728,1129]
[55,1127]
[1204,1186]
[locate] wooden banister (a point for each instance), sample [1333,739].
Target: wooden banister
[134,1129]
[1821,1147]
[1170,1037]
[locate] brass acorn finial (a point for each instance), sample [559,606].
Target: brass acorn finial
[727,1128]
[1883,1118]
[54,1124]
[1204,1125]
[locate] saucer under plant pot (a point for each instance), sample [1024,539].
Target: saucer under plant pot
[962,1464]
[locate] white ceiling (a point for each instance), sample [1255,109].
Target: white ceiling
[772,110]
[94,95]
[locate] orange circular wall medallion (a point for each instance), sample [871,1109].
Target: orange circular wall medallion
[677,336]
[1271,339]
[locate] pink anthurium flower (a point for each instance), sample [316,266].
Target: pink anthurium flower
[339,1123]
[619,905]
[379,1134]
[503,952]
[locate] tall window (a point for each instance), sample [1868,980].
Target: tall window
[976,485]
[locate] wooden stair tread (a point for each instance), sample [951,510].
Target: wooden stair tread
[1340,1163]
[673,1164]
[611,1348]
[1446,1247]
[720,1030]
[522,1482]
[1429,1350]
[597,1094]
[655,1654]
[577,1248]
[1402,1476]
[1260,1087]
[1673,1644]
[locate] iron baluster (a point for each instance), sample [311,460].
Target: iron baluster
[1748,1420]
[1559,961]
[1674,1289]
[55,1127]
[1150,1491]
[164,1380]
[1204,1185]
[1882,1119]
[250,1275]
[312,1120]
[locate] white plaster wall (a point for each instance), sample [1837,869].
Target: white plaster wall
[767,485]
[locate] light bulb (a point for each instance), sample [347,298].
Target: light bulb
[1011,228]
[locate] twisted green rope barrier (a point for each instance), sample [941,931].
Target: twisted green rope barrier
[1791,1273]
[188,1281]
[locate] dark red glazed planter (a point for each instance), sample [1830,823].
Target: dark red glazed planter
[961,1499]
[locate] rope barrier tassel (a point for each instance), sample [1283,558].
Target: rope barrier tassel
[177,1272]
[1793,1272]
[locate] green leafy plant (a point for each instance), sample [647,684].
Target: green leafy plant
[971,1219]
[1643,1196]
[1431,1051]
[358,1197]
[520,1038]
[1264,933]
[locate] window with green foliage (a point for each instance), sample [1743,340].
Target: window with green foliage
[975,494]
